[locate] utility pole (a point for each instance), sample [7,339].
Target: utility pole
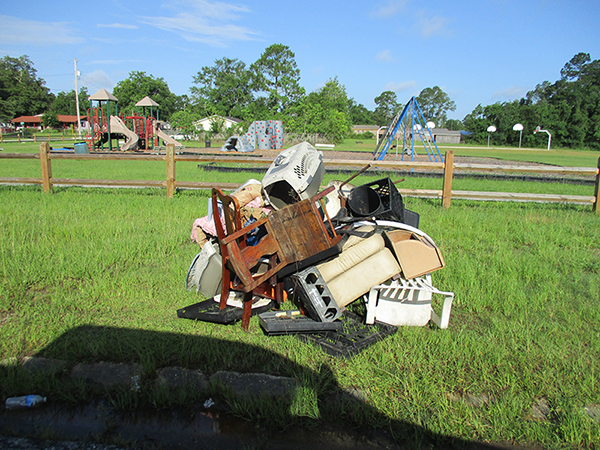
[77,101]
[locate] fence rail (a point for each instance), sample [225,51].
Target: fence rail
[446,193]
[37,138]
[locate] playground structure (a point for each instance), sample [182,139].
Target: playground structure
[408,126]
[140,131]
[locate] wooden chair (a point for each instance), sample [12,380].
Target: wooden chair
[293,234]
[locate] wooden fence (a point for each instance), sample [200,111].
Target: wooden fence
[38,138]
[449,167]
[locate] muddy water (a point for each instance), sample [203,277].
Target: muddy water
[169,429]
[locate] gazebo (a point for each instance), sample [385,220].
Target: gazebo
[99,117]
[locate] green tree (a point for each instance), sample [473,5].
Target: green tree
[359,114]
[332,96]
[575,67]
[50,119]
[22,92]
[503,116]
[64,103]
[184,121]
[323,112]
[139,85]
[217,124]
[276,74]
[454,124]
[435,105]
[223,89]
[387,107]
[568,108]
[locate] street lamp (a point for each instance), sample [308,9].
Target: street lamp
[518,127]
[490,129]
[538,128]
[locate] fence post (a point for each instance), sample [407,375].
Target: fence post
[596,206]
[34,138]
[448,173]
[170,170]
[46,166]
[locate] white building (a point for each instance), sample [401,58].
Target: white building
[205,124]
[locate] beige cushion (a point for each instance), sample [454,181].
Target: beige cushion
[353,240]
[358,280]
[351,256]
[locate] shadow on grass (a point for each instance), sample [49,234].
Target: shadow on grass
[340,420]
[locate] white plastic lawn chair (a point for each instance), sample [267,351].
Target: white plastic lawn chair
[403,302]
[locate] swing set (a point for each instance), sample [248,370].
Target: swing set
[408,126]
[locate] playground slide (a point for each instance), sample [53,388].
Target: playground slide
[168,139]
[118,126]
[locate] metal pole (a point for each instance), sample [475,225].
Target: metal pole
[520,135]
[77,102]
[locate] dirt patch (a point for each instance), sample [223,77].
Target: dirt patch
[367,156]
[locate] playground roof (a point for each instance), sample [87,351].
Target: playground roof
[146,101]
[103,94]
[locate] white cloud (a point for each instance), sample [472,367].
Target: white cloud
[510,93]
[210,8]
[385,56]
[204,21]
[117,25]
[430,26]
[96,80]
[401,86]
[20,31]
[389,8]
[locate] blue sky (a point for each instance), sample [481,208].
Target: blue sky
[476,51]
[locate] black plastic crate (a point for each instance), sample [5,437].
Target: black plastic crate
[411,218]
[392,206]
[208,311]
[354,337]
[293,322]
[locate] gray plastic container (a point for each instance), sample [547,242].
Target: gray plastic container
[313,293]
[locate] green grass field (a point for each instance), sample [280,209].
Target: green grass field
[98,274]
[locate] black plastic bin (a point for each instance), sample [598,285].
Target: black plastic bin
[392,205]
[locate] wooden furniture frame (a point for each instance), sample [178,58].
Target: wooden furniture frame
[293,233]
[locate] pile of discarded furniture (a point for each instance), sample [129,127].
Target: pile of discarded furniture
[281,240]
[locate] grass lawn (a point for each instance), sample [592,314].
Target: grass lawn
[98,274]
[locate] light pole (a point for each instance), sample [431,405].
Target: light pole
[77,102]
[491,129]
[545,131]
[518,127]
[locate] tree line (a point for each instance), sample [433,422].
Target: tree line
[269,88]
[569,109]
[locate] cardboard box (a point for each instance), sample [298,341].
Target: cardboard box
[416,254]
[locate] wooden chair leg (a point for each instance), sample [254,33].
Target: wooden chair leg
[247,311]
[279,293]
[225,288]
